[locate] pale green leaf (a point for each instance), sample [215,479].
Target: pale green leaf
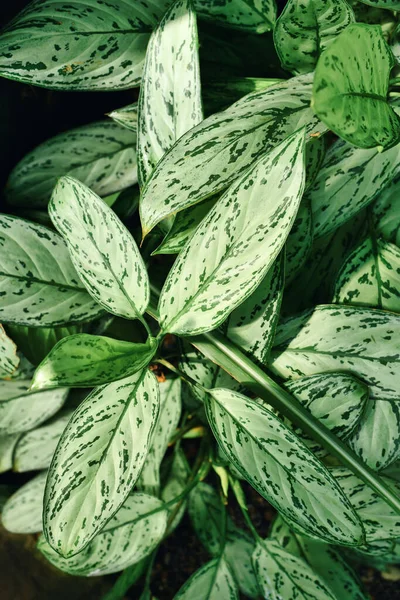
[208,517]
[306,28]
[236,244]
[22,513]
[9,359]
[36,342]
[7,447]
[281,468]
[176,482]
[98,460]
[102,249]
[170,98]
[85,360]
[238,551]
[250,15]
[126,116]
[38,283]
[102,155]
[386,212]
[213,581]
[132,534]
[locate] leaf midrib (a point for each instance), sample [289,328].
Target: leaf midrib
[44,282]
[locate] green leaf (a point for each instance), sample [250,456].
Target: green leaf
[371,275]
[306,28]
[341,338]
[282,575]
[220,92]
[85,360]
[377,438]
[9,359]
[7,447]
[110,266]
[126,116]
[170,98]
[386,212]
[299,241]
[250,15]
[281,468]
[98,460]
[351,86]
[168,418]
[22,513]
[36,342]
[238,551]
[78,45]
[236,242]
[209,157]
[208,517]
[39,285]
[130,535]
[213,581]
[35,449]
[174,486]
[389,4]
[102,155]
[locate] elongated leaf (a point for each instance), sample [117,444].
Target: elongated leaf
[351,86]
[389,4]
[371,276]
[38,283]
[126,116]
[299,241]
[282,575]
[249,15]
[99,457]
[132,533]
[170,99]
[35,449]
[236,242]
[110,266]
[22,513]
[377,438]
[306,28]
[168,418]
[281,468]
[208,517]
[85,360]
[78,45]
[175,485]
[211,582]
[331,338]
[101,155]
[386,212]
[36,342]
[9,359]
[221,92]
[210,156]
[7,447]
[252,324]
[238,551]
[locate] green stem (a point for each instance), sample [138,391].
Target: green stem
[181,374]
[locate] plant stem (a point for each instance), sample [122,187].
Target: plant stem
[181,374]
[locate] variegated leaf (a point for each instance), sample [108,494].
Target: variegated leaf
[7,447]
[174,486]
[236,244]
[35,449]
[22,513]
[110,265]
[250,15]
[299,241]
[38,284]
[85,360]
[282,575]
[9,359]
[101,155]
[170,98]
[238,551]
[79,45]
[210,156]
[168,418]
[364,341]
[281,468]
[126,116]
[306,28]
[213,581]
[98,460]
[208,517]
[36,342]
[386,212]
[130,535]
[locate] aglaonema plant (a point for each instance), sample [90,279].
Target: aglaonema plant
[275,333]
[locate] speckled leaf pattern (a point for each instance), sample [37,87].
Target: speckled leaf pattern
[365,342]
[236,244]
[299,241]
[170,96]
[176,482]
[250,15]
[102,155]
[38,284]
[110,265]
[282,575]
[213,581]
[126,116]
[79,44]
[207,514]
[7,447]
[132,533]
[238,552]
[22,513]
[281,468]
[98,460]
[35,449]
[168,418]
[36,342]
[9,359]
[386,212]
[252,324]
[85,360]
[377,438]
[371,276]
[210,156]
[351,86]
[305,28]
